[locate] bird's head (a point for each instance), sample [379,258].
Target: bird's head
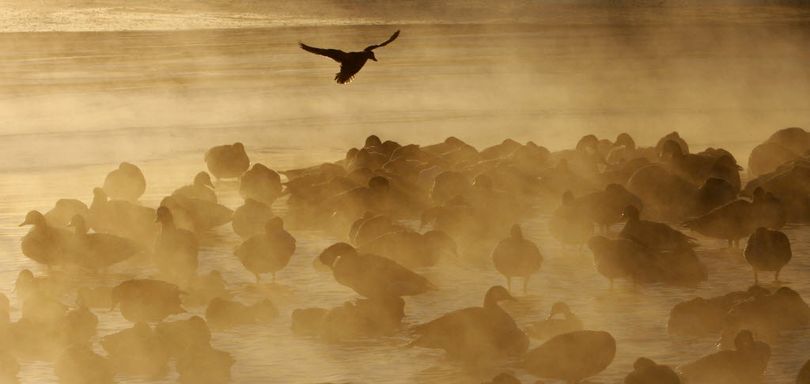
[370,55]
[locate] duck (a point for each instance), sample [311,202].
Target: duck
[714,192]
[78,364]
[27,285]
[354,319]
[730,222]
[201,188]
[64,210]
[223,314]
[517,256]
[412,249]
[98,251]
[372,275]
[350,62]
[43,243]
[371,226]
[745,364]
[572,357]
[654,235]
[77,327]
[181,335]
[122,218]
[269,252]
[449,184]
[147,300]
[665,195]
[127,182]
[227,161]
[475,333]
[550,327]
[569,224]
[202,215]
[619,258]
[646,371]
[767,250]
[250,218]
[176,249]
[204,365]
[767,315]
[260,183]
[43,309]
[137,351]
[700,317]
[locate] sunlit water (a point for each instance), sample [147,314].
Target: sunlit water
[74,105]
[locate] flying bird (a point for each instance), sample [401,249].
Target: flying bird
[350,62]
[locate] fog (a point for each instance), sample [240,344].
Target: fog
[87,85]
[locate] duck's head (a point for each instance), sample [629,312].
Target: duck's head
[372,140]
[744,340]
[643,363]
[164,215]
[99,196]
[239,147]
[33,218]
[203,179]
[625,140]
[515,232]
[275,224]
[333,252]
[559,308]
[78,223]
[129,167]
[497,294]
[370,55]
[25,279]
[630,212]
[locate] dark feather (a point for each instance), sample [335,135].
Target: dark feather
[390,39]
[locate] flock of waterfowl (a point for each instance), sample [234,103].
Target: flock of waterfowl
[405,208]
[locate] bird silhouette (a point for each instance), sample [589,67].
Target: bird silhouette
[350,62]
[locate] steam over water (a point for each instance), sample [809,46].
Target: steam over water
[75,104]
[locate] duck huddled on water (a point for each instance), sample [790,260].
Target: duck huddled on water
[122,218]
[745,364]
[201,188]
[372,275]
[767,315]
[96,251]
[475,333]
[137,351]
[147,300]
[125,183]
[572,356]
[227,161]
[646,371]
[698,317]
[260,183]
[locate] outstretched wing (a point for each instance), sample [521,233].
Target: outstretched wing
[334,54]
[390,39]
[348,69]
